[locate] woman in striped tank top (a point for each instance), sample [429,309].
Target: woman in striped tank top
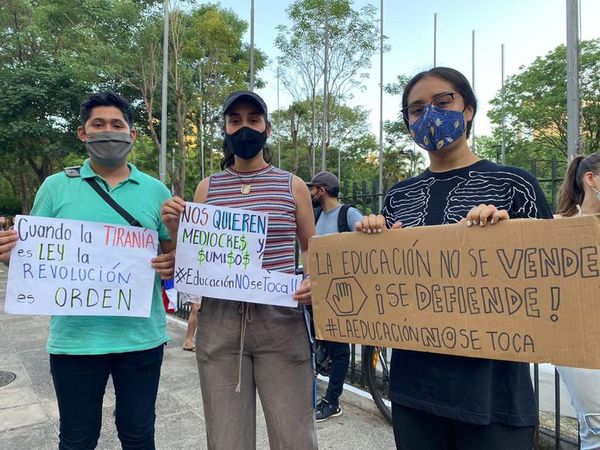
[244,347]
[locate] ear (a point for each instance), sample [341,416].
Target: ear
[588,178]
[81,134]
[468,113]
[269,128]
[133,134]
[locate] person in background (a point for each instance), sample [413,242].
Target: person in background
[332,217]
[444,401]
[579,195]
[195,305]
[244,347]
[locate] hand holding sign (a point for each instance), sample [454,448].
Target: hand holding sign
[8,239]
[304,293]
[164,265]
[483,214]
[374,224]
[170,212]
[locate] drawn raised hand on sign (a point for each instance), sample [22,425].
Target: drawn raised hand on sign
[345,296]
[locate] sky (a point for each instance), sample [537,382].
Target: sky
[527,28]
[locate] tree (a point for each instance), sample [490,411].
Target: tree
[352,139]
[49,61]
[534,106]
[352,37]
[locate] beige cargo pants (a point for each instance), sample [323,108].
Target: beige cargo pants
[275,361]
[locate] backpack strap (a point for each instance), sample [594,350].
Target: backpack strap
[317,212]
[343,219]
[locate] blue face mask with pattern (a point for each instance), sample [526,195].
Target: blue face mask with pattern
[437,128]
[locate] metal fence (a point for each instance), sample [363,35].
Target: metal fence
[555,431]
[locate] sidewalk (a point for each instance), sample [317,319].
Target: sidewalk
[29,414]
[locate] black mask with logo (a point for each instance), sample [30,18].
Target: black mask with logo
[246,142]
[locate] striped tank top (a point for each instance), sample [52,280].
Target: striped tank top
[271,193]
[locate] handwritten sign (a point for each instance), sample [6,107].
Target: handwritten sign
[253,285]
[71,267]
[229,237]
[219,254]
[521,290]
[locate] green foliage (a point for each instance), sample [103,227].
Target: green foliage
[55,52]
[352,36]
[352,142]
[534,106]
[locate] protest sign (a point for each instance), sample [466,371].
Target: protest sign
[230,237]
[521,290]
[72,267]
[220,252]
[252,285]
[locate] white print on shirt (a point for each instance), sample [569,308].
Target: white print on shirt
[410,202]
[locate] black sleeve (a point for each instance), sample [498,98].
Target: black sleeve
[520,208]
[387,211]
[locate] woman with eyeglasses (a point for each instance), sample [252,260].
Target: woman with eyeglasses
[444,401]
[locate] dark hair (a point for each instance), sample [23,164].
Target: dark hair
[105,99]
[333,191]
[452,76]
[228,157]
[571,191]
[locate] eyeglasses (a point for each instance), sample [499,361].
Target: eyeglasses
[442,101]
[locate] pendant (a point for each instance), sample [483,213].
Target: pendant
[245,189]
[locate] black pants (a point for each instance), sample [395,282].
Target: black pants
[417,430]
[340,359]
[80,381]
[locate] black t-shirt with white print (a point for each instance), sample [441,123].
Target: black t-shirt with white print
[479,391]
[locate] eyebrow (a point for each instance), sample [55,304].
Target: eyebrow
[101,119]
[421,102]
[251,113]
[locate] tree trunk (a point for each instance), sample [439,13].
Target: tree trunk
[179,172]
[22,188]
[294,133]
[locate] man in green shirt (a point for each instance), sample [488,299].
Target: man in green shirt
[85,350]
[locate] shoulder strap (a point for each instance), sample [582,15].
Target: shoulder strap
[343,219]
[317,212]
[73,171]
[112,203]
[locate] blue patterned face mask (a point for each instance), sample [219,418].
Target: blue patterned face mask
[437,128]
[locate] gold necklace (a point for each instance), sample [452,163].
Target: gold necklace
[247,187]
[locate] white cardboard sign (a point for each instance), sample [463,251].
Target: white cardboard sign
[220,252]
[73,267]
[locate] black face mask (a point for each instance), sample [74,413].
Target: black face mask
[246,142]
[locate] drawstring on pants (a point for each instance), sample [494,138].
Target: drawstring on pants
[247,312]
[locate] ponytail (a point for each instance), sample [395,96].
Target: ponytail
[572,192]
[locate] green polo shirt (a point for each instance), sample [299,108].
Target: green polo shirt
[72,198]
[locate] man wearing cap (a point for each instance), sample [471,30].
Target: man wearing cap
[332,217]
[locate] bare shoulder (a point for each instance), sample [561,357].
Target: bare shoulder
[298,185]
[202,190]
